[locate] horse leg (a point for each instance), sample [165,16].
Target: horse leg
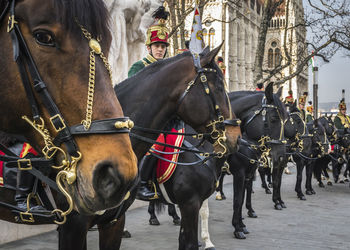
[110,235]
[220,190]
[335,171]
[262,172]
[300,168]
[72,234]
[318,169]
[238,197]
[188,238]
[153,220]
[280,172]
[346,173]
[172,213]
[276,181]
[308,183]
[204,216]
[248,201]
[269,176]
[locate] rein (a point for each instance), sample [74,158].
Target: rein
[24,61]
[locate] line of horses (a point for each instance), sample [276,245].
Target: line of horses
[54,74]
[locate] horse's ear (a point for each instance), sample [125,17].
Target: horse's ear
[269,92]
[279,92]
[205,51]
[206,59]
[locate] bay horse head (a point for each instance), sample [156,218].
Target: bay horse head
[206,91]
[60,78]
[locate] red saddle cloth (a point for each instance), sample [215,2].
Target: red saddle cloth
[26,148]
[165,169]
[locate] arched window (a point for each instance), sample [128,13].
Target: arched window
[277,57]
[211,38]
[270,58]
[205,34]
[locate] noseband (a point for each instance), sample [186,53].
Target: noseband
[217,134]
[23,58]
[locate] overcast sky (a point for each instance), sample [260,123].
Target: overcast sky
[332,78]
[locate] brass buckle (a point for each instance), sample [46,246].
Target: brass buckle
[26,217]
[61,120]
[26,162]
[203,78]
[11,23]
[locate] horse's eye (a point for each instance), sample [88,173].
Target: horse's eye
[44,37]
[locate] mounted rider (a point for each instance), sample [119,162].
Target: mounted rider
[157,43]
[301,107]
[309,112]
[342,121]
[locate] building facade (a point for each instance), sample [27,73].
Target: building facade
[238,26]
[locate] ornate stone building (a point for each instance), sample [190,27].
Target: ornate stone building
[238,26]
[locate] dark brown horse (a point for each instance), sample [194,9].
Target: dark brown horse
[151,98]
[59,68]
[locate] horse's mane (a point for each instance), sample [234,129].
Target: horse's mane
[280,106]
[91,14]
[6,139]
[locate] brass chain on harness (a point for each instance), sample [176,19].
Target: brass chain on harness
[95,48]
[218,135]
[265,151]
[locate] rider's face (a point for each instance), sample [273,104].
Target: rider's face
[157,50]
[343,111]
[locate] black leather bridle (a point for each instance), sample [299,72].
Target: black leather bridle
[65,133]
[217,126]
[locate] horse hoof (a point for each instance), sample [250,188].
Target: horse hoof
[126,234]
[268,191]
[154,222]
[218,197]
[341,181]
[313,191]
[223,197]
[177,221]
[210,248]
[283,205]
[346,180]
[308,192]
[329,183]
[252,214]
[321,185]
[245,230]
[302,197]
[269,185]
[239,235]
[278,207]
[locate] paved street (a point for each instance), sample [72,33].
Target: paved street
[320,222]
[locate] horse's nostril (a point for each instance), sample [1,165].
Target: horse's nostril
[106,180]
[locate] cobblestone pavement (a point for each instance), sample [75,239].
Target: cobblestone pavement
[320,222]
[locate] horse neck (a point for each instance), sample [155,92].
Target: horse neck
[150,100]
[241,102]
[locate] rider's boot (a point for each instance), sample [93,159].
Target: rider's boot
[25,183]
[144,192]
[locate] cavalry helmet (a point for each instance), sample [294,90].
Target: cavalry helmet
[158,32]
